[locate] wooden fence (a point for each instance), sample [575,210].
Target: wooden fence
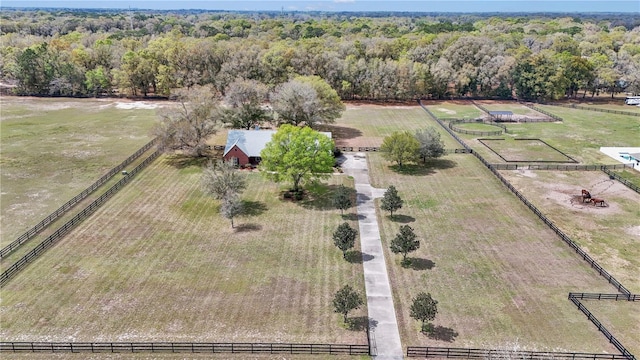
[563,167]
[453,123]
[71,203]
[594,296]
[182,347]
[64,229]
[533,107]
[461,353]
[580,107]
[626,182]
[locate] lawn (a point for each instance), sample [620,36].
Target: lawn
[610,235]
[52,149]
[514,107]
[158,263]
[368,125]
[499,274]
[478,127]
[525,150]
[453,109]
[622,327]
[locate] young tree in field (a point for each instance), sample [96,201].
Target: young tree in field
[342,199]
[188,126]
[344,238]
[391,201]
[345,300]
[424,309]
[401,147]
[405,242]
[298,155]
[430,144]
[231,206]
[222,178]
[245,98]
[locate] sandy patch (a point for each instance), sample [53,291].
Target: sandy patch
[447,111]
[634,230]
[527,173]
[135,105]
[570,196]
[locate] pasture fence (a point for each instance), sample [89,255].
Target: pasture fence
[542,111]
[44,223]
[609,111]
[602,329]
[64,229]
[486,354]
[484,109]
[561,167]
[596,296]
[183,347]
[624,181]
[453,123]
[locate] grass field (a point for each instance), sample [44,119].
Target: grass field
[514,107]
[368,125]
[158,263]
[610,235]
[525,150]
[625,328]
[52,149]
[621,107]
[477,127]
[453,109]
[499,274]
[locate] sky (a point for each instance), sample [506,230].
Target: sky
[599,6]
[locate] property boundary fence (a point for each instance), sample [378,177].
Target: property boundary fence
[580,107]
[562,167]
[570,159]
[453,123]
[71,203]
[461,353]
[626,182]
[533,107]
[182,347]
[596,296]
[64,229]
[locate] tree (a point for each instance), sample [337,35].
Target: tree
[245,98]
[222,178]
[401,147]
[345,300]
[430,144]
[342,199]
[190,124]
[231,206]
[424,309]
[405,242]
[297,154]
[391,201]
[344,238]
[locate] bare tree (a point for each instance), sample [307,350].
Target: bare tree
[222,178]
[188,126]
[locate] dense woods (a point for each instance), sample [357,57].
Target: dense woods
[361,56]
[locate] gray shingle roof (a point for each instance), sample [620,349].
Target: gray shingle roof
[251,142]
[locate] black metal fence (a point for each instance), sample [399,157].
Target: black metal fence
[580,107]
[453,123]
[461,353]
[71,203]
[602,329]
[64,229]
[182,347]
[562,167]
[626,182]
[533,107]
[595,296]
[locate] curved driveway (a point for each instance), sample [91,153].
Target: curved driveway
[383,326]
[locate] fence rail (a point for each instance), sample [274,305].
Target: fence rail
[533,107]
[580,107]
[569,167]
[626,182]
[595,296]
[453,123]
[602,329]
[64,229]
[461,353]
[71,203]
[171,347]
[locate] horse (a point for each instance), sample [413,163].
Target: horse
[586,195]
[596,201]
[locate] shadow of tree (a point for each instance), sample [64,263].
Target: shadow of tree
[339,133]
[181,161]
[353,217]
[440,163]
[248,227]
[358,323]
[423,169]
[404,219]
[357,257]
[319,196]
[253,208]
[442,333]
[420,264]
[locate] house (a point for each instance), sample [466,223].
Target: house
[244,146]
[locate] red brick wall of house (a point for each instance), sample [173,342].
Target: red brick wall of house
[243,159]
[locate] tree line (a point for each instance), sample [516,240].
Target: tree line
[142,53]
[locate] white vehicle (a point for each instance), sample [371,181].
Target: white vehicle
[632,100]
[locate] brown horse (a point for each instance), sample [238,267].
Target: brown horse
[586,195]
[596,201]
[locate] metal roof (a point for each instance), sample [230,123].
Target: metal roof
[251,142]
[500,112]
